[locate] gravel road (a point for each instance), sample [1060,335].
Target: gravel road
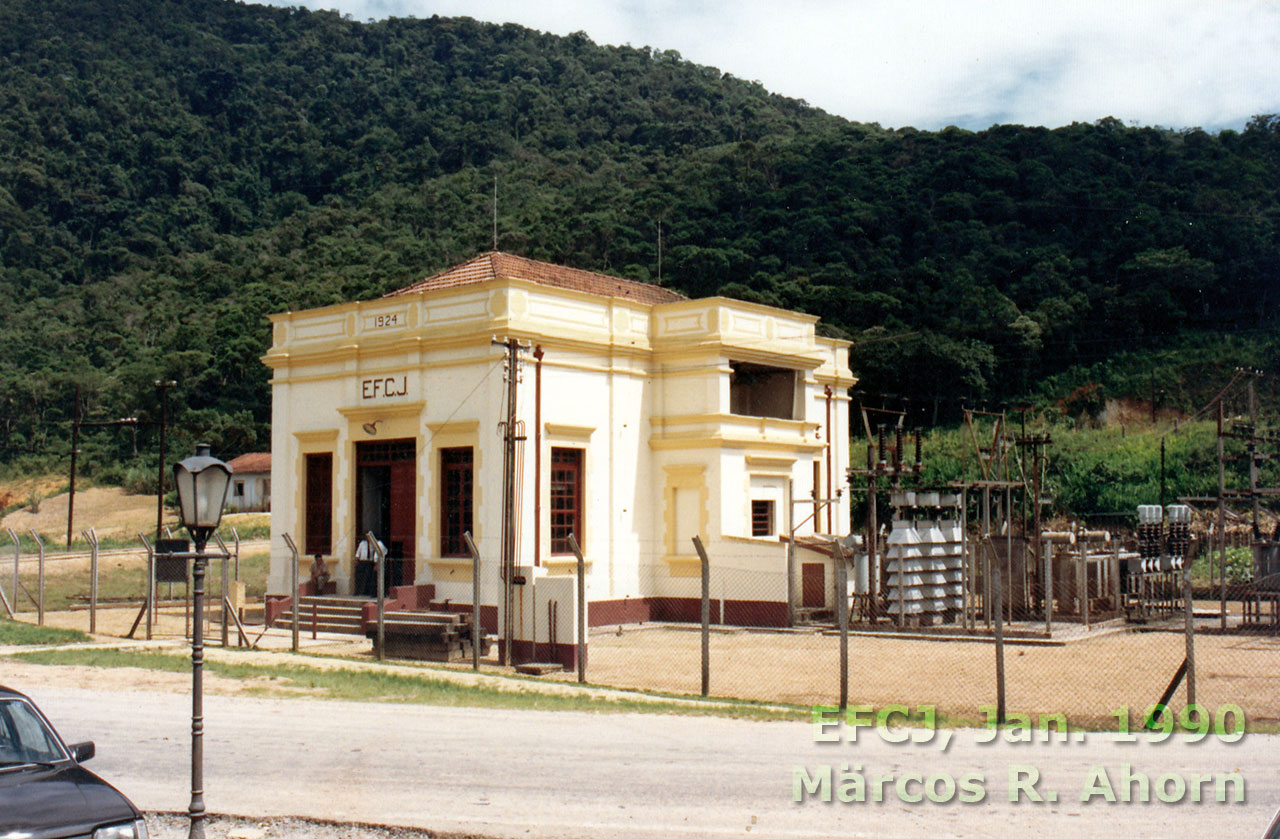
[175,826]
[505,773]
[302,767]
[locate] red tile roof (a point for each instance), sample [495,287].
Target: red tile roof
[251,462]
[499,265]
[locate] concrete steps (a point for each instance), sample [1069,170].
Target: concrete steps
[429,636]
[328,614]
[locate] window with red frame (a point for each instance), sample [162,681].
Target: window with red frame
[566,498]
[319,495]
[455,500]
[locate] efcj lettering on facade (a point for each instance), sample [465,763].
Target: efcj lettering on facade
[386,386]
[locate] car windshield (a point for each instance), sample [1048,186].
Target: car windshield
[24,737]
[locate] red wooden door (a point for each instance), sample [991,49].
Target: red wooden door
[813,585]
[403,524]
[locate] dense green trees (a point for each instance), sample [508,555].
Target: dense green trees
[171,171]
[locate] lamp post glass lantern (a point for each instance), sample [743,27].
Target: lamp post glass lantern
[202,482]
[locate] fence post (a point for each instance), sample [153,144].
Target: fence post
[791,553]
[297,606]
[986,563]
[91,536]
[706,614]
[1048,586]
[1191,634]
[842,613]
[226,585]
[379,568]
[151,587]
[17,559]
[582,609]
[997,592]
[229,615]
[40,583]
[1117,596]
[10,607]
[5,602]
[152,608]
[966,567]
[476,638]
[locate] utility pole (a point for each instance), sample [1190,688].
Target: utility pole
[163,386]
[1252,451]
[510,435]
[75,444]
[1037,443]
[1259,447]
[76,424]
[1222,522]
[1162,474]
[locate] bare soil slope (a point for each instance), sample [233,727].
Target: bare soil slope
[109,510]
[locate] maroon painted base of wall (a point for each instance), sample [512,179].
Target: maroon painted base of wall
[686,610]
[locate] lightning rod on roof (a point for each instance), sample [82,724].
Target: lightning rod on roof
[495,212]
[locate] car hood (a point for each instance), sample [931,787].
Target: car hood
[52,803]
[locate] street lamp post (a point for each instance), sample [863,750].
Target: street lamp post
[202,482]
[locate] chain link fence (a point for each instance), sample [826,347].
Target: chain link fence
[1108,674]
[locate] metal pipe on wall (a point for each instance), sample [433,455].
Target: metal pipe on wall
[830,446]
[476,630]
[791,553]
[537,455]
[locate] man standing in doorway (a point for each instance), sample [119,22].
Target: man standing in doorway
[366,568]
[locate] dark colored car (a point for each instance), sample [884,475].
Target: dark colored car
[44,791]
[1273,829]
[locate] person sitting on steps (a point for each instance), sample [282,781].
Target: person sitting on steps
[319,575]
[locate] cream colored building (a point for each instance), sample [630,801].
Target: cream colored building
[647,419]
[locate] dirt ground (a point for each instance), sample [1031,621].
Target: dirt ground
[1086,680]
[109,510]
[24,490]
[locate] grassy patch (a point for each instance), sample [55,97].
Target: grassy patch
[1239,566]
[16,633]
[125,578]
[248,525]
[370,685]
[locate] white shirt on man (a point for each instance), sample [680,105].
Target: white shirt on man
[362,549]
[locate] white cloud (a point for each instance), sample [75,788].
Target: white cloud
[928,63]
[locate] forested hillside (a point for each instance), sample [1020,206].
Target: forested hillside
[171,171]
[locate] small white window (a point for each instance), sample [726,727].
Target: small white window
[766,494]
[762,517]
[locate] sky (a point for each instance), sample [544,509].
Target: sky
[932,63]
